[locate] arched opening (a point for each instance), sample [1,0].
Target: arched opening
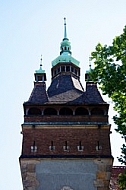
[34,111]
[97,111]
[50,111]
[81,111]
[65,111]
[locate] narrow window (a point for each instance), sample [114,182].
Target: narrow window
[34,147]
[62,68]
[66,147]
[80,147]
[67,68]
[75,71]
[52,147]
[58,69]
[98,147]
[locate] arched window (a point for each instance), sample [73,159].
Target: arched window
[97,111]
[50,111]
[81,111]
[34,111]
[66,111]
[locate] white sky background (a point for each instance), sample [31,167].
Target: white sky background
[29,28]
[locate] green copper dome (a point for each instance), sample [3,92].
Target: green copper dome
[40,70]
[65,46]
[65,53]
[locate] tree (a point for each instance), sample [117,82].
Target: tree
[122,181]
[110,73]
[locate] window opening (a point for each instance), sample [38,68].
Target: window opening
[66,147]
[50,111]
[75,71]
[33,147]
[80,147]
[52,147]
[59,70]
[81,111]
[97,111]
[34,111]
[62,68]
[67,68]
[98,147]
[65,111]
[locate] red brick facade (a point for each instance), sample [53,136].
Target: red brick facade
[89,137]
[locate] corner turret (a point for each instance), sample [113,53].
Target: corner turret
[40,75]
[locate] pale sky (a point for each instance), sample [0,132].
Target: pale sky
[29,28]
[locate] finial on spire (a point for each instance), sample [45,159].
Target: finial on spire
[65,32]
[89,63]
[41,61]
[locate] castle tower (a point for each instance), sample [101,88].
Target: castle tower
[66,134]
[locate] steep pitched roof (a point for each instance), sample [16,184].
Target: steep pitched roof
[92,93]
[68,89]
[39,94]
[64,88]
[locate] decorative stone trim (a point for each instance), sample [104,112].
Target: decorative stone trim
[28,175]
[66,188]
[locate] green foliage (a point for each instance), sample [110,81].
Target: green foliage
[110,74]
[122,181]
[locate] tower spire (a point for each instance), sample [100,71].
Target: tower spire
[41,61]
[40,74]
[65,31]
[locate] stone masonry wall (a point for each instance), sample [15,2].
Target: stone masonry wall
[54,174]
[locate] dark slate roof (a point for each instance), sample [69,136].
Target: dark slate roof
[92,93]
[64,83]
[65,89]
[39,94]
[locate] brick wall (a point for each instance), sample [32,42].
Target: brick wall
[90,139]
[84,118]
